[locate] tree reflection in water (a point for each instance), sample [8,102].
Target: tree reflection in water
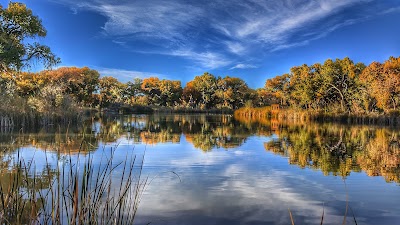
[332,148]
[340,149]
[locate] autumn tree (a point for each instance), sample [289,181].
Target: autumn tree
[279,86]
[190,96]
[232,92]
[151,87]
[372,81]
[262,98]
[111,91]
[382,82]
[80,83]
[28,84]
[18,29]
[392,83]
[51,101]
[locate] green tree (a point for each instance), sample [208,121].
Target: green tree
[171,91]
[262,98]
[206,85]
[339,79]
[111,91]
[133,91]
[18,29]
[304,83]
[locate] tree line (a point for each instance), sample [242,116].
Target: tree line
[335,86]
[85,87]
[340,86]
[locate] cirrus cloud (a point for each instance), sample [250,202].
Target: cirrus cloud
[217,34]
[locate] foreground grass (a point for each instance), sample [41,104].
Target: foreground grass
[76,192]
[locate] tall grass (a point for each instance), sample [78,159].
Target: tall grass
[76,192]
[254,112]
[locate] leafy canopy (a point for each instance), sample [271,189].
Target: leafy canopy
[18,29]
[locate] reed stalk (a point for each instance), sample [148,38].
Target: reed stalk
[76,192]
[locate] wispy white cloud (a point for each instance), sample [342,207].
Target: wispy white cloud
[218,33]
[74,10]
[286,19]
[207,60]
[317,35]
[391,10]
[123,43]
[243,66]
[166,20]
[126,75]
[236,47]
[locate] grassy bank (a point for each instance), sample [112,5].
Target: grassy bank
[392,118]
[254,112]
[190,110]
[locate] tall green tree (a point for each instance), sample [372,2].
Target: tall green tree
[171,91]
[304,82]
[134,92]
[206,85]
[18,30]
[339,78]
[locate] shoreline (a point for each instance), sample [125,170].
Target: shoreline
[392,119]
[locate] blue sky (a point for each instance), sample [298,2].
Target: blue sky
[251,39]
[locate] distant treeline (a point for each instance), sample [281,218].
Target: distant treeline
[85,88]
[340,86]
[336,86]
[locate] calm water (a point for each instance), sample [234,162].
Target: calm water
[213,169]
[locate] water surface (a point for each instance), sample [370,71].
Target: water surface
[215,169]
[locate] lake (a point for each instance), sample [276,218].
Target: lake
[217,169]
